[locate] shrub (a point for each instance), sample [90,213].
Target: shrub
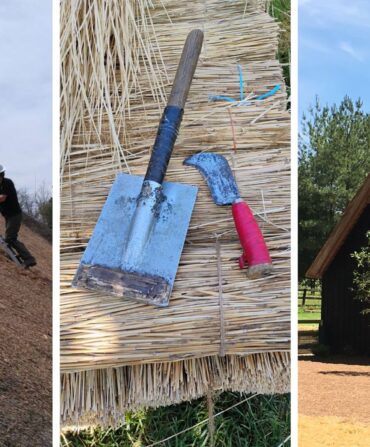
[361,275]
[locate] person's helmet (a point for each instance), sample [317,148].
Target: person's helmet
[2,169]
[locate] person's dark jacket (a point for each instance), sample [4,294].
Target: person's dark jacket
[10,207]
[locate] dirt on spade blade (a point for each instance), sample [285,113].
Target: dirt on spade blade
[26,346]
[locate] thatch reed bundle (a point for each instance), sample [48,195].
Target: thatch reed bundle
[220,327]
[107,393]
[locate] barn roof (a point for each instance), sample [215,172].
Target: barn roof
[340,232]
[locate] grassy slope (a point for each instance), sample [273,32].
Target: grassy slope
[264,421]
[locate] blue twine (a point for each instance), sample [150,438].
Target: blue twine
[241,82]
[241,89]
[269,93]
[220,98]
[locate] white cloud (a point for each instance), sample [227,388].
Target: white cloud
[314,44]
[348,49]
[329,12]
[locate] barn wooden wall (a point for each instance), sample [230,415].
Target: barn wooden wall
[344,325]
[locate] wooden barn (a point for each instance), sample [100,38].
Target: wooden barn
[344,327]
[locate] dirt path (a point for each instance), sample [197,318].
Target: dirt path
[329,431]
[25,347]
[335,389]
[334,403]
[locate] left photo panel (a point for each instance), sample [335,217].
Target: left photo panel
[26,223]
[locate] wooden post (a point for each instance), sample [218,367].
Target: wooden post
[313,286]
[304,297]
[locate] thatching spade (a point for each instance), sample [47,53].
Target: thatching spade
[216,171]
[136,246]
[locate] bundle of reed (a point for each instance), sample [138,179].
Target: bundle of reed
[220,326]
[105,394]
[102,41]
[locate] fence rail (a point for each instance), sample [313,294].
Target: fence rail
[309,321]
[305,297]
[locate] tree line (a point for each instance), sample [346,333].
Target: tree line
[334,160]
[38,205]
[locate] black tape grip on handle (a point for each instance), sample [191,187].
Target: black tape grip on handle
[164,142]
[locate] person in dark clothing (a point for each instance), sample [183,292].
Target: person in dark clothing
[12,212]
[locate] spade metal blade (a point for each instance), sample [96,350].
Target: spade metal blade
[103,266]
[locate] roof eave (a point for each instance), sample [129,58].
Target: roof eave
[340,232]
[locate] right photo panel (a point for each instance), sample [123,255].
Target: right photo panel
[334,223]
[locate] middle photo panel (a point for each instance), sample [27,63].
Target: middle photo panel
[175,207]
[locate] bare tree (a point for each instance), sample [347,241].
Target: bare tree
[38,205]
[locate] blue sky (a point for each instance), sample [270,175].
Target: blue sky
[334,51]
[26,91]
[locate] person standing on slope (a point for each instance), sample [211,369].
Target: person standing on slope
[12,212]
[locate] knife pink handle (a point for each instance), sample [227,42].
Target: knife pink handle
[255,252]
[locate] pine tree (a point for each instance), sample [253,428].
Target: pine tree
[334,159]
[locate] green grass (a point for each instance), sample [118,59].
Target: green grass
[312,309]
[309,315]
[263,421]
[280,9]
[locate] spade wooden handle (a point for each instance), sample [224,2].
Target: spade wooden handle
[172,115]
[186,69]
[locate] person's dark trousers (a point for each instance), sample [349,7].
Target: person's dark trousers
[13,224]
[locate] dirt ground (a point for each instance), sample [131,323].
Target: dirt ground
[26,347]
[334,405]
[325,431]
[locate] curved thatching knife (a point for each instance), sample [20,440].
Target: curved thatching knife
[216,171]
[136,246]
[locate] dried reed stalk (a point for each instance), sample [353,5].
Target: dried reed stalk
[105,49]
[101,397]
[110,112]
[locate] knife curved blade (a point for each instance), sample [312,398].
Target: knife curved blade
[217,173]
